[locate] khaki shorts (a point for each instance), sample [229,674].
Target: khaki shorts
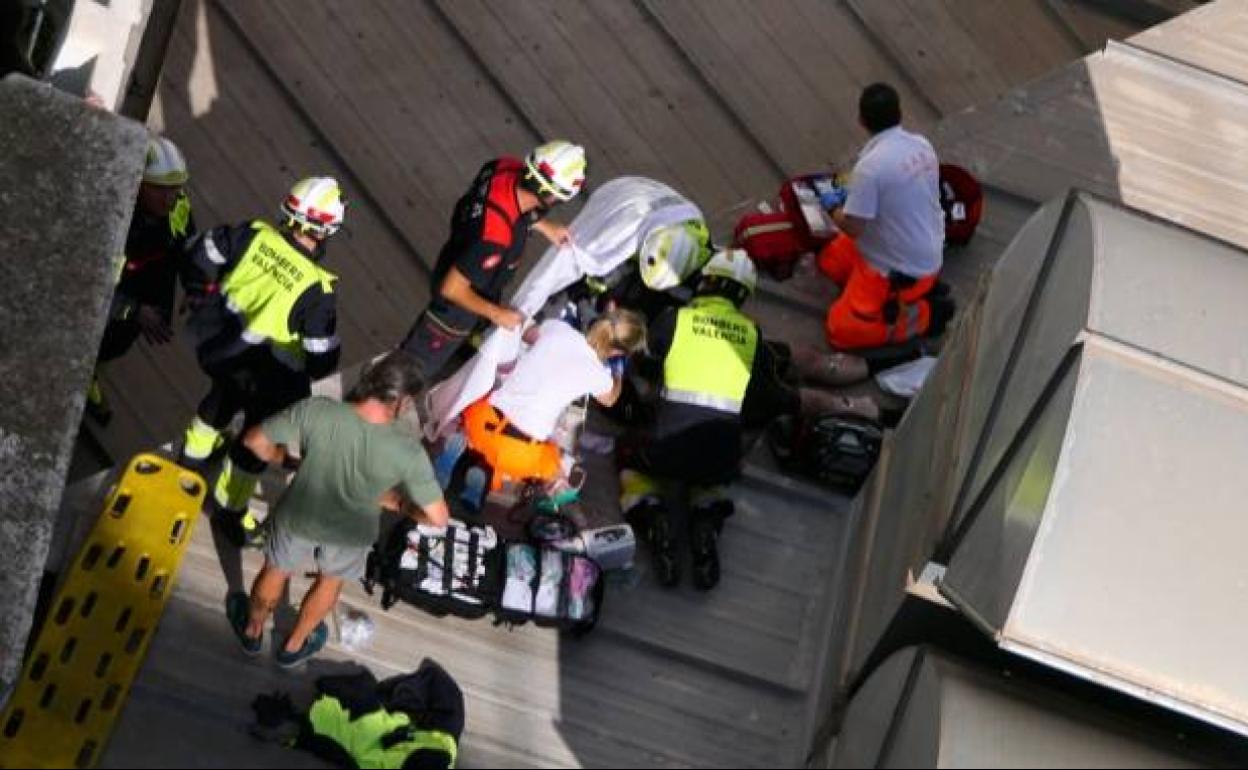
[288,552]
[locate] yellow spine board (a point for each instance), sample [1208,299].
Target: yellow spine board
[99,626]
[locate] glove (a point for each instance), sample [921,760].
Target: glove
[833,198]
[617,364]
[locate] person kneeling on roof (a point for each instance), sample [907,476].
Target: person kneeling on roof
[717,377]
[889,252]
[509,431]
[636,241]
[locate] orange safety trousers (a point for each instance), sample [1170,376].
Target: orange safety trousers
[510,457]
[856,320]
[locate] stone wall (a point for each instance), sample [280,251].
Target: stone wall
[69,174]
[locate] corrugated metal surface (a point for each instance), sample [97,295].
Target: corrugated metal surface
[402,101]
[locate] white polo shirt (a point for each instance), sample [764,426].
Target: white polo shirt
[560,368]
[895,186]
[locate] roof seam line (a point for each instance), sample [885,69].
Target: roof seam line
[961,528]
[1059,660]
[895,59]
[490,76]
[1127,48]
[1202,377]
[737,119]
[359,188]
[889,742]
[1011,363]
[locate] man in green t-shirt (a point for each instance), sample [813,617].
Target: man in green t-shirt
[353,461]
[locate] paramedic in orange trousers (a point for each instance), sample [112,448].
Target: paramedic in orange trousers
[889,254]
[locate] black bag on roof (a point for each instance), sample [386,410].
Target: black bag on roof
[481,574]
[835,450]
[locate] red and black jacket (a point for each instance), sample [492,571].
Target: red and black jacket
[488,236]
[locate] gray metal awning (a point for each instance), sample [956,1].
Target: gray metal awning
[1103,523]
[923,708]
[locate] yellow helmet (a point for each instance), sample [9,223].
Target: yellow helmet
[315,205]
[670,254]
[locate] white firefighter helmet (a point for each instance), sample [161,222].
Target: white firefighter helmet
[315,205]
[165,164]
[733,265]
[558,169]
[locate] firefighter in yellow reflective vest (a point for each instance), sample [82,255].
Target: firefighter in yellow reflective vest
[265,321]
[712,357]
[147,280]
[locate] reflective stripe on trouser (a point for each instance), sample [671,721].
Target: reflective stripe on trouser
[856,319]
[201,440]
[95,392]
[235,487]
[637,488]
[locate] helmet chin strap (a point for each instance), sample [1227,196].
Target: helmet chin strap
[318,253]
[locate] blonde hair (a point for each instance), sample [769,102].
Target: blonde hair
[619,328]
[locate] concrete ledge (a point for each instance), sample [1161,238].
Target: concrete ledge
[68,179]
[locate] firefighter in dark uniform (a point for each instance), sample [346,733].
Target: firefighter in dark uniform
[489,229]
[146,287]
[266,323]
[717,378]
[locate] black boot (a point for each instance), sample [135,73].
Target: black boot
[943,309]
[705,524]
[651,520]
[666,562]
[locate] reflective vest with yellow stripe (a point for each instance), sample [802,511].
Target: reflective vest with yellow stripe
[180,216]
[264,286]
[365,737]
[711,356]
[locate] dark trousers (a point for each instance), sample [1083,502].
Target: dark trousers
[119,337]
[434,346]
[257,388]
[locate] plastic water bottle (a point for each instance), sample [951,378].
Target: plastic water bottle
[356,629]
